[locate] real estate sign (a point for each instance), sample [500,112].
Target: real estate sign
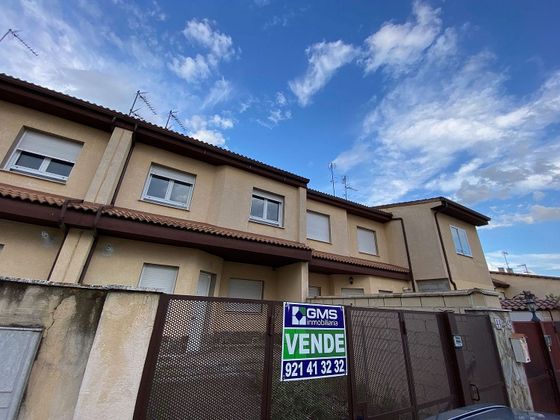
[313,341]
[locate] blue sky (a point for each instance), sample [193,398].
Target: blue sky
[408,99]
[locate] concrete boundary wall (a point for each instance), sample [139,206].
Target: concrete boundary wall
[92,350]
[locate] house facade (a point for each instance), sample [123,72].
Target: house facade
[95,197]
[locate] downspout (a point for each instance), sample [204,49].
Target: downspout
[400,219]
[443,248]
[125,167]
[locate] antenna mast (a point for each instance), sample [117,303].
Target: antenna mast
[173,115]
[16,36]
[347,187]
[142,96]
[331,167]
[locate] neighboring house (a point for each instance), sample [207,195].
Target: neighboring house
[445,250]
[546,309]
[89,195]
[510,285]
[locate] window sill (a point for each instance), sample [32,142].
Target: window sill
[320,241]
[262,222]
[368,254]
[164,204]
[465,255]
[34,175]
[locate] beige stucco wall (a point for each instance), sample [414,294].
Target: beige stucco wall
[467,272]
[540,286]
[69,320]
[116,361]
[292,282]
[123,264]
[381,237]
[331,285]
[423,241]
[221,196]
[339,228]
[26,252]
[12,120]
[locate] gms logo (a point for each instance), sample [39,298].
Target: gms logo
[298,315]
[314,316]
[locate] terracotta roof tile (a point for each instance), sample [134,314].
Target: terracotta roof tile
[8,191]
[518,304]
[358,261]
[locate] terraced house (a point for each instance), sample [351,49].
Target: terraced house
[89,195]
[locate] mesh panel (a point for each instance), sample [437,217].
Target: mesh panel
[428,362]
[379,364]
[210,362]
[312,399]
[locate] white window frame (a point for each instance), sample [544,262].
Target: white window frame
[172,175]
[376,249]
[266,196]
[251,308]
[328,225]
[460,248]
[161,266]
[42,171]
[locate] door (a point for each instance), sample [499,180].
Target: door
[200,309]
[539,370]
[17,352]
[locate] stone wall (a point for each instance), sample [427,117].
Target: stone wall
[93,346]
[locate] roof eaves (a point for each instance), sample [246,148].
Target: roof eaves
[350,206]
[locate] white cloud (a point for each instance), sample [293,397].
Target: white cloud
[217,47]
[220,92]
[201,32]
[535,214]
[397,46]
[209,136]
[536,263]
[325,59]
[281,99]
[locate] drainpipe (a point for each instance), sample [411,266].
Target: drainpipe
[400,219]
[443,248]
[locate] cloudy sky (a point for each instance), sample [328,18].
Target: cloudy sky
[408,99]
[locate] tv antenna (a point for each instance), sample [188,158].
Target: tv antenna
[21,41]
[173,115]
[331,167]
[525,267]
[347,187]
[142,96]
[505,254]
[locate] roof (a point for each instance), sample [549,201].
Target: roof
[68,107]
[448,207]
[358,261]
[350,206]
[518,304]
[533,276]
[8,191]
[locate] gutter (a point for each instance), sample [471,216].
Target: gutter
[443,206]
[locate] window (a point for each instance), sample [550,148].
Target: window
[44,156]
[160,277]
[267,208]
[245,289]
[351,291]
[318,227]
[461,242]
[314,291]
[167,186]
[367,242]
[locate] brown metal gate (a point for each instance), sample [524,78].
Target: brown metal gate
[220,358]
[543,372]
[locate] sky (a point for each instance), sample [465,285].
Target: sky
[408,99]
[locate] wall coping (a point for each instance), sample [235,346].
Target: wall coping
[450,293]
[107,288]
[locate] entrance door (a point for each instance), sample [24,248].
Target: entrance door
[17,351]
[540,370]
[200,309]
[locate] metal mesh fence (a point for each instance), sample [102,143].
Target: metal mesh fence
[210,361]
[221,358]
